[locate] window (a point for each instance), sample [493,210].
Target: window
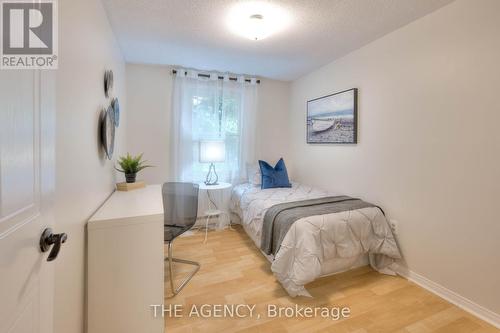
[216,116]
[212,109]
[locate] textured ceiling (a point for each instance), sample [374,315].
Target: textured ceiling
[193,33]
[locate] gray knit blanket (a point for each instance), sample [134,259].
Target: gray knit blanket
[279,218]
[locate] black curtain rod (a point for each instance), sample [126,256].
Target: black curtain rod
[219,77]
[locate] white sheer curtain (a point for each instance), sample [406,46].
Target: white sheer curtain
[209,109]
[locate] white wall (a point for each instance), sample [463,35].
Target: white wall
[149,93]
[272,121]
[429,142]
[84,178]
[149,89]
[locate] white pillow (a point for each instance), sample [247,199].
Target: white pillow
[253,174]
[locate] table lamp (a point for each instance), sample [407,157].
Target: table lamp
[213,151]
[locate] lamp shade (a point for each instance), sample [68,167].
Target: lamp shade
[212,151]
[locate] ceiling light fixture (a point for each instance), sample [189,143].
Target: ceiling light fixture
[257,20]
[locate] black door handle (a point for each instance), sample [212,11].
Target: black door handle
[48,239]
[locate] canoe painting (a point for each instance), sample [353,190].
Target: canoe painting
[333,118]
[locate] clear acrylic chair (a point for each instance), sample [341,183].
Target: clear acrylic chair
[180,207]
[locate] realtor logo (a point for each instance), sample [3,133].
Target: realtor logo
[28,34]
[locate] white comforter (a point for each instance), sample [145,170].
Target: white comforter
[313,240]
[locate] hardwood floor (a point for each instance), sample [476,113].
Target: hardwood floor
[233,271]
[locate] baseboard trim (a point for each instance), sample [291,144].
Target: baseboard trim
[452,297]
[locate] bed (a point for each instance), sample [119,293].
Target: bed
[317,245]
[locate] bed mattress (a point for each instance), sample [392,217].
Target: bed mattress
[306,253]
[250,203]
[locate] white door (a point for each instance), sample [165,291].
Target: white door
[27,128]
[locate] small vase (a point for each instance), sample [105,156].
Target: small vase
[130,177]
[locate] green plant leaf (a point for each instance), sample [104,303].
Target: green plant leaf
[132,164]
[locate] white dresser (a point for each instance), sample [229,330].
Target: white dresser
[125,263]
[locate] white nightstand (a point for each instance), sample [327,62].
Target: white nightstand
[218,203]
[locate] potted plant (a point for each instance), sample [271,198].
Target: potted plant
[131,165]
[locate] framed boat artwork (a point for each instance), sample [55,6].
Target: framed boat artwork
[333,118]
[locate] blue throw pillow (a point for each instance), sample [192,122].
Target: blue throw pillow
[274,177]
